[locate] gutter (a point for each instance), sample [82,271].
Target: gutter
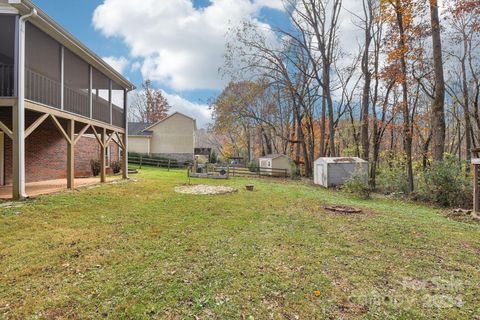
[19,112]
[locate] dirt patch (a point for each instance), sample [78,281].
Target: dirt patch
[342,210]
[204,189]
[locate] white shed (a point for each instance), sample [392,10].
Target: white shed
[275,165]
[333,172]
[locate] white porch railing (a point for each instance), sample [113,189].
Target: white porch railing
[44,90]
[6,80]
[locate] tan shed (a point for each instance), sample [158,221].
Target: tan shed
[278,165]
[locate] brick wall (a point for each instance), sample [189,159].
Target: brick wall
[46,152]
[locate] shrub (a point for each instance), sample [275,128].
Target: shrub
[96,166]
[116,166]
[392,177]
[358,184]
[213,157]
[253,166]
[445,184]
[295,171]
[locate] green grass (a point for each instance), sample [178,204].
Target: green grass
[139,250]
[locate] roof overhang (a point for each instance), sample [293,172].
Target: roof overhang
[168,117]
[53,29]
[139,136]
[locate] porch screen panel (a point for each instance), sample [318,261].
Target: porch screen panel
[7,55]
[77,86]
[100,96]
[118,103]
[42,67]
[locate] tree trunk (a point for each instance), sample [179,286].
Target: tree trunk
[366,91]
[438,112]
[466,110]
[407,133]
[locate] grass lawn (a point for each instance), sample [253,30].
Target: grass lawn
[139,250]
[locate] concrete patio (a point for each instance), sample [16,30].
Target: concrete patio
[34,189]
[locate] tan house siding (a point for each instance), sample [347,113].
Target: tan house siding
[172,137]
[175,134]
[139,144]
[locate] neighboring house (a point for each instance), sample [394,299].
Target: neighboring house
[276,165]
[61,106]
[203,147]
[172,137]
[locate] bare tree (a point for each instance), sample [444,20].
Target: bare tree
[149,105]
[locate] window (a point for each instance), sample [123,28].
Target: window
[107,156]
[77,86]
[100,96]
[7,54]
[43,67]
[118,102]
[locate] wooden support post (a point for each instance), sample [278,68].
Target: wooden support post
[475,189]
[103,146]
[123,146]
[18,150]
[71,154]
[125,137]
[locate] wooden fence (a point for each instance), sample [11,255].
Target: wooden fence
[254,172]
[161,163]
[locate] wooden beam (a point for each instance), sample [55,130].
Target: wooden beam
[125,156]
[36,124]
[476,199]
[8,102]
[80,134]
[103,173]
[109,139]
[6,130]
[60,128]
[95,133]
[120,144]
[71,155]
[31,105]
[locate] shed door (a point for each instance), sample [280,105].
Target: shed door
[320,173]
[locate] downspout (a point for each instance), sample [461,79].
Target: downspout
[19,114]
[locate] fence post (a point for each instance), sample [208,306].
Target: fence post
[140,161]
[169,164]
[285,173]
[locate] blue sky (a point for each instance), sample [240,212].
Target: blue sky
[176,43]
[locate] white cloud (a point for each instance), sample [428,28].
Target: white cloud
[136,66]
[117,63]
[198,111]
[181,46]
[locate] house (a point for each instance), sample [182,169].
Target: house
[335,171]
[172,137]
[61,106]
[203,145]
[276,165]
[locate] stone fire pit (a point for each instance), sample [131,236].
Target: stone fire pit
[204,189]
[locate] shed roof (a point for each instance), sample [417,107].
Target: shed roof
[273,156]
[340,160]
